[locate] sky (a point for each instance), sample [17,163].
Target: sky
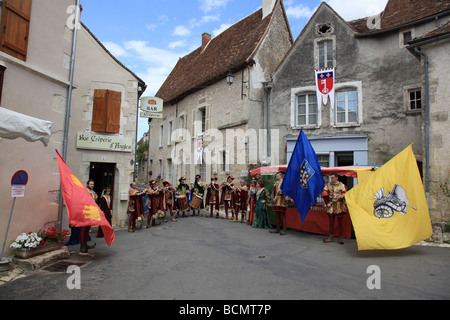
[149,36]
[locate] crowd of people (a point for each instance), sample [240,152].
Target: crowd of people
[241,202]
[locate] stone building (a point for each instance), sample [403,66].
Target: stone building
[34,81]
[433,50]
[103,128]
[378,107]
[220,91]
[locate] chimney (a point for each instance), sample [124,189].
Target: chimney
[206,38]
[267,6]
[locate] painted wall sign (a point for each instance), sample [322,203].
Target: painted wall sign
[107,143]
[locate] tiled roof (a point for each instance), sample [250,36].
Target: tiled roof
[441,31]
[235,46]
[399,13]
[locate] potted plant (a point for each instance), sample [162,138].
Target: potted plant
[31,244]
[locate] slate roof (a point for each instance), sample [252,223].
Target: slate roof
[400,13]
[235,46]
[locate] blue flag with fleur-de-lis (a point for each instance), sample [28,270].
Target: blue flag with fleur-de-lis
[303,181]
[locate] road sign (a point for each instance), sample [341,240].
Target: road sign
[19,178]
[152,104]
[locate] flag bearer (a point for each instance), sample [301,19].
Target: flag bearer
[333,195]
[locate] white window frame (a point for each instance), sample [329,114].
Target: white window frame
[161,136]
[354,85]
[317,42]
[307,95]
[169,132]
[295,93]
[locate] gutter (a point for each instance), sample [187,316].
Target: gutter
[427,122]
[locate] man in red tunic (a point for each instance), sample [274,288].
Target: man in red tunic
[153,193]
[244,201]
[212,197]
[169,197]
[227,195]
[135,206]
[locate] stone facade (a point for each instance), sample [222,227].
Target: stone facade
[96,69]
[232,117]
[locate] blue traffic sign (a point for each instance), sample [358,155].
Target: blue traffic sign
[20,178]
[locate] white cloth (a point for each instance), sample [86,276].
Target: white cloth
[15,125]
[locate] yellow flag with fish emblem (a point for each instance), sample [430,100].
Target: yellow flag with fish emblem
[388,208]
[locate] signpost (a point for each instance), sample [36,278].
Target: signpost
[18,182]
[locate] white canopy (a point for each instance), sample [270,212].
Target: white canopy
[15,125]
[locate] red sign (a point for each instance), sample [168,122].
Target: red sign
[152,102]
[19,178]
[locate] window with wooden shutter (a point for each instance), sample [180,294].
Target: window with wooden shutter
[106,112]
[15,18]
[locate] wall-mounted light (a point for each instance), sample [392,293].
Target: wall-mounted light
[230,78]
[230,75]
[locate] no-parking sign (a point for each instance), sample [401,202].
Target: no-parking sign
[18,182]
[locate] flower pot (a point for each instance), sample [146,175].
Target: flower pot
[26,253]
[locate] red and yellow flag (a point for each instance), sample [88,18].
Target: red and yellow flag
[81,208]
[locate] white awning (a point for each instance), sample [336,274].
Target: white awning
[15,125]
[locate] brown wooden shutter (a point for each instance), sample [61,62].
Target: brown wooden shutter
[100,110]
[15,25]
[113,115]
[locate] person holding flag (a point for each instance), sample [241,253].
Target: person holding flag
[82,209]
[303,181]
[333,196]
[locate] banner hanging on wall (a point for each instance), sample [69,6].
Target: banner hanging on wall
[325,86]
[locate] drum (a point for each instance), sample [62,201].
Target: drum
[196,202]
[183,203]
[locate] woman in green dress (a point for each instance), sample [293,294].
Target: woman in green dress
[261,218]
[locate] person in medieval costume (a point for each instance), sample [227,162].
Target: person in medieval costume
[252,198]
[261,217]
[244,201]
[212,197]
[333,196]
[279,205]
[105,205]
[182,192]
[227,195]
[236,196]
[197,190]
[84,231]
[169,197]
[153,192]
[135,206]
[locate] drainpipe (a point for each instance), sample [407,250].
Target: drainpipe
[427,122]
[69,101]
[268,89]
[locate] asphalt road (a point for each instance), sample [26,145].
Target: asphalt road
[213,259]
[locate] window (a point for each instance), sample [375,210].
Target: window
[415,100]
[15,24]
[203,119]
[346,106]
[307,110]
[106,111]
[161,136]
[169,133]
[407,36]
[325,54]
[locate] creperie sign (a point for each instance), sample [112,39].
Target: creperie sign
[152,104]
